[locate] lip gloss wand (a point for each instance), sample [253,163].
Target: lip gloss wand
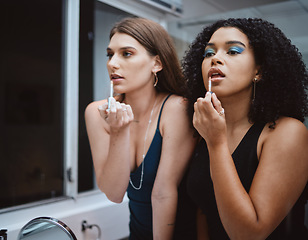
[210,85]
[110,93]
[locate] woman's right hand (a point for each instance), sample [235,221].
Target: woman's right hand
[209,119]
[118,116]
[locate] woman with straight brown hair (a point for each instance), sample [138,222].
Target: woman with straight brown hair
[143,141]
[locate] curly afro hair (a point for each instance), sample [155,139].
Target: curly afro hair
[282,89]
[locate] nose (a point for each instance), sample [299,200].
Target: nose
[216,60]
[113,62]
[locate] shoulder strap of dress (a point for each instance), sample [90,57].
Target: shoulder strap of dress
[257,128]
[162,109]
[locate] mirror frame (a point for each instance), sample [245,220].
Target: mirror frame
[51,220]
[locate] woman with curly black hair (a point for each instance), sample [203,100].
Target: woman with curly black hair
[248,102]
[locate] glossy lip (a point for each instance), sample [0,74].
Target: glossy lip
[115,77]
[215,70]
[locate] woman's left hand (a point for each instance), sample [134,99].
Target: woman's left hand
[209,118]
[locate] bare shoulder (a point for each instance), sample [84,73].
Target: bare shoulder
[92,115]
[175,104]
[288,128]
[175,116]
[289,139]
[175,110]
[93,106]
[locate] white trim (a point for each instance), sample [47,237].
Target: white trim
[71,88]
[162,8]
[137,8]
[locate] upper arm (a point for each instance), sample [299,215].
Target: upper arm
[282,172]
[178,144]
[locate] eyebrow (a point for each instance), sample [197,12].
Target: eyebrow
[122,48]
[228,42]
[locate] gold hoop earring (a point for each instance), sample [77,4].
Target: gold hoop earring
[255,80]
[156,79]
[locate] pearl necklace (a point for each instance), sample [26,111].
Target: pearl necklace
[143,155]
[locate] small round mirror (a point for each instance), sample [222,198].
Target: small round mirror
[46,228]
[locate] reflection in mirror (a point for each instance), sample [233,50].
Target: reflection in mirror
[46,228]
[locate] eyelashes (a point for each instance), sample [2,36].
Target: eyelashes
[125,54]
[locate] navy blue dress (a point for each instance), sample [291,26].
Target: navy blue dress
[200,189]
[140,205]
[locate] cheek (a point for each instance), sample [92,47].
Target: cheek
[250,73]
[243,68]
[143,68]
[109,69]
[205,67]
[250,66]
[241,77]
[139,71]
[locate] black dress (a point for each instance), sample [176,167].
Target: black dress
[200,188]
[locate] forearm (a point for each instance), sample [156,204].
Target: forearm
[202,226]
[164,215]
[114,174]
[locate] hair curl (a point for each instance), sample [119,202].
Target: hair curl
[282,88]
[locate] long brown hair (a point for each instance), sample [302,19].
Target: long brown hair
[155,39]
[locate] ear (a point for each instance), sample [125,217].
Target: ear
[258,73]
[158,66]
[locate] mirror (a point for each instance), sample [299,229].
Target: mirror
[46,228]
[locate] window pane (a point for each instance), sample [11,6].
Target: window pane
[31,142]
[85,166]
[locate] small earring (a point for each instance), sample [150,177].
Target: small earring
[156,79]
[255,80]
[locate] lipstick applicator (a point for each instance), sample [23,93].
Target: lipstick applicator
[210,85]
[110,93]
